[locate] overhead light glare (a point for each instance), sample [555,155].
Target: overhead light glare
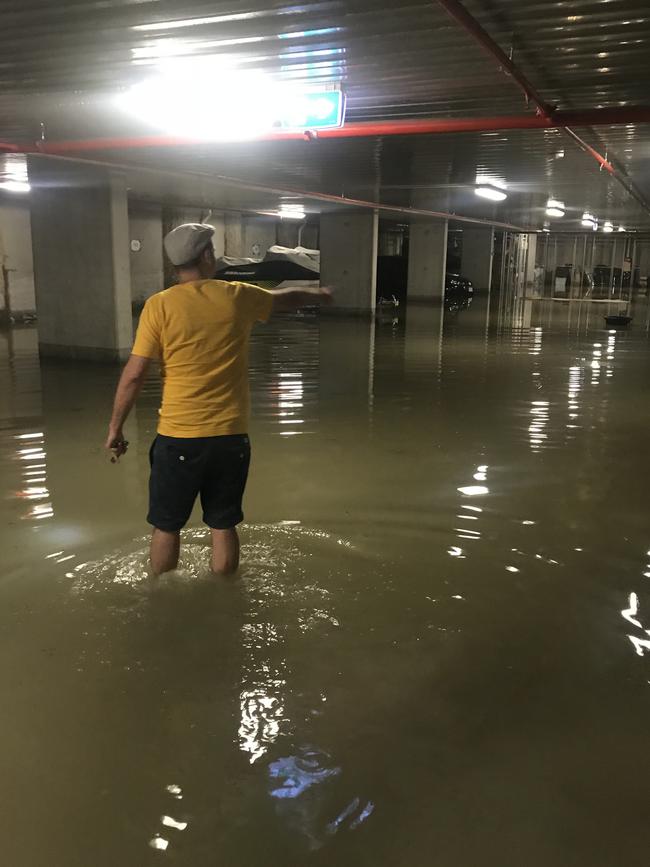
[608,227]
[198,22]
[555,208]
[15,186]
[251,106]
[621,228]
[589,221]
[491,192]
[291,212]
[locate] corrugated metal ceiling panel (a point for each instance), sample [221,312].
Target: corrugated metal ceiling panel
[60,63]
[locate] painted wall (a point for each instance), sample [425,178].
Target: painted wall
[145,226]
[259,233]
[16,254]
[287,234]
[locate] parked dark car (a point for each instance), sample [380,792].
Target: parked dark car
[392,277]
[279,265]
[459,291]
[607,280]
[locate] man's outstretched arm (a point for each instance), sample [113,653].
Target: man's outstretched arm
[295,297]
[128,387]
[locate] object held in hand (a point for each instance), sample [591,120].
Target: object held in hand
[119,447]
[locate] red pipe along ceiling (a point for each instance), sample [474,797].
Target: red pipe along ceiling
[456,10]
[559,120]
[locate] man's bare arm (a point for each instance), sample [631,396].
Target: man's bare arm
[295,297]
[128,387]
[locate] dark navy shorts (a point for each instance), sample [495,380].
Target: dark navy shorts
[214,468]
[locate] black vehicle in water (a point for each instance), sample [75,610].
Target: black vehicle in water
[283,265]
[392,277]
[280,265]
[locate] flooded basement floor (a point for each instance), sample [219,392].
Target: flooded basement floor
[438,654]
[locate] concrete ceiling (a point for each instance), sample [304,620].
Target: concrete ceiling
[61,66]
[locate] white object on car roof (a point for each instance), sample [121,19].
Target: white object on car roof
[299,255]
[302,256]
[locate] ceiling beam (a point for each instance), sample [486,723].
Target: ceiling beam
[431,126]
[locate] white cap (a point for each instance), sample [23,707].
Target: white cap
[187,242]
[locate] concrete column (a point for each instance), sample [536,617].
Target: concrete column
[348,250]
[17,297]
[531,241]
[80,234]
[427,260]
[476,260]
[643,261]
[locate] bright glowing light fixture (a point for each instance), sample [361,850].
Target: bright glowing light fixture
[250,106]
[290,211]
[13,174]
[555,208]
[491,191]
[608,227]
[621,228]
[198,22]
[15,186]
[589,221]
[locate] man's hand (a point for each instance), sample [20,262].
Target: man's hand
[116,444]
[326,295]
[295,297]
[127,390]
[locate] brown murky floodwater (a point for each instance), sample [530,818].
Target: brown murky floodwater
[440,650]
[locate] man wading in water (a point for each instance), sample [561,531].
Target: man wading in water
[199,330]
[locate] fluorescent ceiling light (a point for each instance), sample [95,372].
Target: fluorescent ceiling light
[621,228]
[589,220]
[491,192]
[555,208]
[607,227]
[302,34]
[198,22]
[15,186]
[291,212]
[178,47]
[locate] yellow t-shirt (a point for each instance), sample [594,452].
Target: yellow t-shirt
[199,331]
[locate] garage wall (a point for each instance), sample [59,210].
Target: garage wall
[259,233]
[288,231]
[16,256]
[145,227]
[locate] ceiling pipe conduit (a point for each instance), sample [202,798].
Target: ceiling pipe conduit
[431,126]
[458,13]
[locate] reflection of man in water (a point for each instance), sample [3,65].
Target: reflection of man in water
[199,330]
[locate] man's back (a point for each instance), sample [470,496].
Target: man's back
[200,332]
